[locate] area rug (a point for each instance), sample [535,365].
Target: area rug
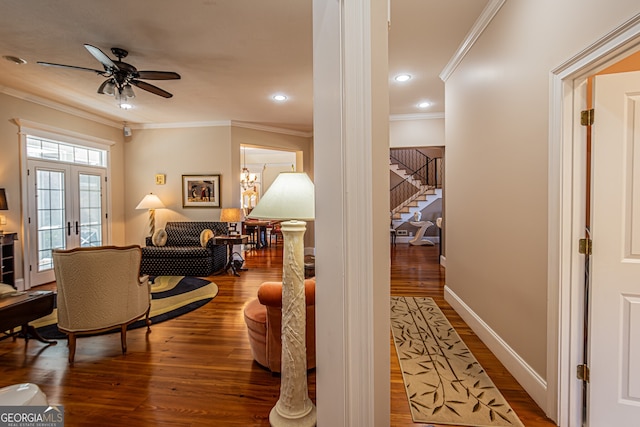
[171,296]
[445,384]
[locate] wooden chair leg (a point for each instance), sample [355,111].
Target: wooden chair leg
[148,320]
[123,338]
[72,346]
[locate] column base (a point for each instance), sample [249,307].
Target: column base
[306,420]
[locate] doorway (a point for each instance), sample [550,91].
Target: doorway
[66,210]
[568,202]
[65,196]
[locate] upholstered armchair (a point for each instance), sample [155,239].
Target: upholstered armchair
[263,317]
[100,289]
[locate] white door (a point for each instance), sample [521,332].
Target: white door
[614,332]
[66,210]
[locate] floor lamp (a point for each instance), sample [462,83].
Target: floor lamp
[291,199]
[151,202]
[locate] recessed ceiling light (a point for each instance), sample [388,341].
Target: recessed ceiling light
[424,104]
[14,59]
[279,98]
[403,77]
[126,106]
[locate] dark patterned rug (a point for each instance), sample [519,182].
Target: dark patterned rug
[445,384]
[171,296]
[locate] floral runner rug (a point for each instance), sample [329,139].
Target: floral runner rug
[445,384]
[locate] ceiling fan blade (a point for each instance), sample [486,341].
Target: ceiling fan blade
[151,88]
[158,75]
[50,64]
[108,64]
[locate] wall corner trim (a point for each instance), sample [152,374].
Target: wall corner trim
[529,379]
[487,15]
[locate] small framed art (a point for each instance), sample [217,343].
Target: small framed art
[201,191]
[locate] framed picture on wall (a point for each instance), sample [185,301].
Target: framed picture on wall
[201,191]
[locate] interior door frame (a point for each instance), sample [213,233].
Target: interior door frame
[567,201]
[28,127]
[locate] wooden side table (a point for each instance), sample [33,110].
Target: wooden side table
[21,309]
[230,241]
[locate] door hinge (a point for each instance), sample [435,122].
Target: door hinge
[582,372]
[585,246]
[586,117]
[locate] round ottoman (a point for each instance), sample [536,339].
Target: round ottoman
[255,316]
[26,394]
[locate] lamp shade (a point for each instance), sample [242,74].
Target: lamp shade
[231,215]
[3,200]
[291,196]
[150,201]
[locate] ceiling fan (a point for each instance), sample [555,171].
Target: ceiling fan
[120,75]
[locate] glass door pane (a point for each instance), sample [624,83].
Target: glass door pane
[90,205]
[50,215]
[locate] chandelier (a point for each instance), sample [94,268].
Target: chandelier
[247,179]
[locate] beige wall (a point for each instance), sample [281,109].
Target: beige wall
[416,133]
[497,162]
[191,151]
[174,152]
[10,167]
[303,145]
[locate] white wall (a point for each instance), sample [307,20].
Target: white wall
[497,164]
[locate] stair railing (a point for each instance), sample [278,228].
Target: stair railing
[420,168]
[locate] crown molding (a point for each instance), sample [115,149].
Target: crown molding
[487,15]
[417,116]
[59,107]
[180,125]
[255,126]
[47,131]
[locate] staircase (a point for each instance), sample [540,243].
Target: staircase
[419,187]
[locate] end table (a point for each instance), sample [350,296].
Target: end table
[230,241]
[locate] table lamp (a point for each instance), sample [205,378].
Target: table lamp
[232,216]
[151,202]
[3,207]
[291,199]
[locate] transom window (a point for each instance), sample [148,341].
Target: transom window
[46,149]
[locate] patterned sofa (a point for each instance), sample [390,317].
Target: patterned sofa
[183,255]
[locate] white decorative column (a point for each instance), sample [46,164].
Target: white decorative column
[294,407]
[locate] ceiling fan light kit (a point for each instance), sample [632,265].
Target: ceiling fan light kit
[120,76]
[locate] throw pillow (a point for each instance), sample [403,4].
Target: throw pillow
[205,236]
[159,237]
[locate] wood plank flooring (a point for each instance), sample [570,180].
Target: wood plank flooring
[197,370]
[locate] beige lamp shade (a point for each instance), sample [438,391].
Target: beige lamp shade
[291,196]
[150,201]
[231,215]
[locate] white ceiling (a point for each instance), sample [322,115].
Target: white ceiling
[233,55]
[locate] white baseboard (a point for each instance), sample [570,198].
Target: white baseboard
[19,284]
[529,379]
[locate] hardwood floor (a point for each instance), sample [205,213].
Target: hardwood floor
[197,369]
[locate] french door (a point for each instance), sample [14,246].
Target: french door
[66,210]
